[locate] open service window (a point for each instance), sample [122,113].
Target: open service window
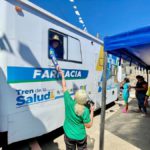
[74,50]
[68,49]
[60,50]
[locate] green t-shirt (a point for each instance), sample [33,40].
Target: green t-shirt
[74,125]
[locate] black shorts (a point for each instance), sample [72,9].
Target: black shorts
[72,144]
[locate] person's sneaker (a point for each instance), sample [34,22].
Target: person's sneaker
[144,115]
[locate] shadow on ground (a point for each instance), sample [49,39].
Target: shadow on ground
[46,142]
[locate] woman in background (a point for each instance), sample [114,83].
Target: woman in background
[125,93]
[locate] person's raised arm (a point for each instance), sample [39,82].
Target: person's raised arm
[63,82]
[121,84]
[54,59]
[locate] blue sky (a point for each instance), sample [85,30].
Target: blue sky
[106,17]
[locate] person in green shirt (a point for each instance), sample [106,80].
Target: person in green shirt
[77,118]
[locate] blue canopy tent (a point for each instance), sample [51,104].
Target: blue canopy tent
[133,46]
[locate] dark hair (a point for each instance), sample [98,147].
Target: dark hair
[138,77]
[126,80]
[142,78]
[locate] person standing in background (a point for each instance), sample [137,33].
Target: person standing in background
[141,89]
[125,93]
[137,85]
[54,43]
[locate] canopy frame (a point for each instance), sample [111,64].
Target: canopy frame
[121,46]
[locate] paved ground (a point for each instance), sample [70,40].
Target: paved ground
[112,141]
[131,127]
[123,132]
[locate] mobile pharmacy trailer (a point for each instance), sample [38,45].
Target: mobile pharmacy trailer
[31,98]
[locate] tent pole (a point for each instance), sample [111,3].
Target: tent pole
[103,104]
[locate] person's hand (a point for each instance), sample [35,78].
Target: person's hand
[92,108]
[61,73]
[58,68]
[133,86]
[146,103]
[129,88]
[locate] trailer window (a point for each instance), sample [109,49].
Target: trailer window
[74,50]
[61,50]
[69,48]
[113,70]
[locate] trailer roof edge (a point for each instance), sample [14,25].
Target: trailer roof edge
[45,12]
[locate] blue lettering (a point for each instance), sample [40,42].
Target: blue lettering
[20,100]
[47,96]
[39,97]
[29,100]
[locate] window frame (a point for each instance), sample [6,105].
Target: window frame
[59,33]
[112,67]
[67,59]
[80,51]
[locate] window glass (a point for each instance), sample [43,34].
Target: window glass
[74,50]
[114,70]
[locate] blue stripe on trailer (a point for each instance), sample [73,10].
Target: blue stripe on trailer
[30,74]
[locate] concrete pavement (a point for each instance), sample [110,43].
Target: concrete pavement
[132,127]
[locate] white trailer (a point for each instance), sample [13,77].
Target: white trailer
[31,97]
